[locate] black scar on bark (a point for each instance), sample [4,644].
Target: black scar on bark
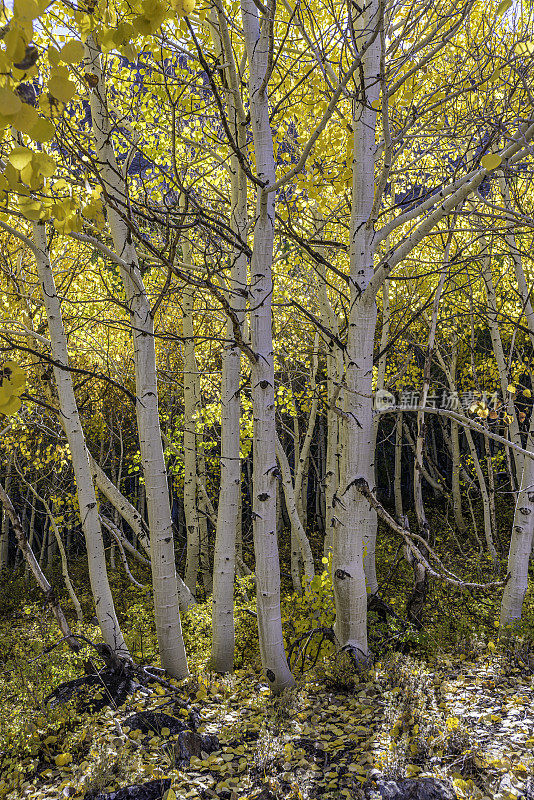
[263,496]
[340,574]
[270,675]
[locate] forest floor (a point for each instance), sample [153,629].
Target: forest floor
[465,719]
[448,702]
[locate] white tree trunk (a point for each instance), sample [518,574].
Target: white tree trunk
[523,526]
[297,529]
[520,544]
[167,589]
[333,424]
[121,504]
[70,421]
[357,521]
[369,544]
[228,531]
[485,498]
[4,533]
[493,317]
[262,370]
[191,408]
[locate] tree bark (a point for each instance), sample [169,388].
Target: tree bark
[168,591]
[357,520]
[258,44]
[70,421]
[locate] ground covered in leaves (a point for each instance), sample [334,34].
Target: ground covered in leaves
[468,721]
[447,702]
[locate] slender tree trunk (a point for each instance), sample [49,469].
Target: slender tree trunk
[455,476]
[258,41]
[357,521]
[61,548]
[70,420]
[42,549]
[491,492]
[397,485]
[228,542]
[485,497]
[121,504]
[421,426]
[4,533]
[520,545]
[297,529]
[301,466]
[333,389]
[206,567]
[369,560]
[167,589]
[191,408]
[498,351]
[31,537]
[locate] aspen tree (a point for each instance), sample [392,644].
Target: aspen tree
[70,421]
[258,46]
[168,589]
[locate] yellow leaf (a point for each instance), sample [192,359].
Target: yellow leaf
[15,374]
[524,48]
[26,9]
[11,407]
[15,45]
[527,393]
[10,103]
[5,393]
[63,759]
[502,7]
[411,770]
[44,164]
[25,119]
[42,131]
[20,157]
[61,88]
[170,794]
[491,647]
[491,161]
[511,388]
[72,52]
